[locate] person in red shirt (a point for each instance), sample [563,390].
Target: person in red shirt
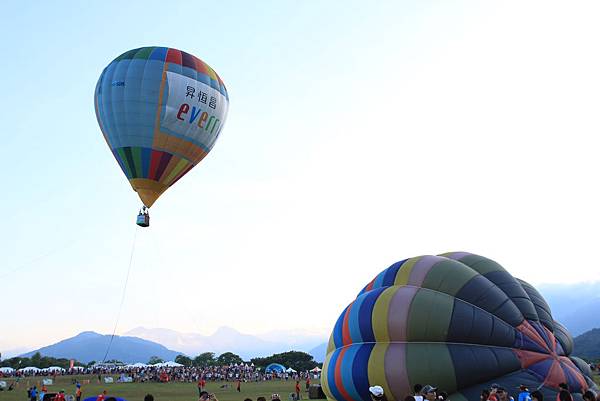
[60,396]
[78,394]
[297,389]
[308,382]
[102,396]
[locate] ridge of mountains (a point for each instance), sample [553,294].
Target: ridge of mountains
[139,344]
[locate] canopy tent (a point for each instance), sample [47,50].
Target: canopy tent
[290,370]
[275,368]
[78,368]
[7,370]
[316,369]
[29,369]
[53,369]
[137,365]
[171,364]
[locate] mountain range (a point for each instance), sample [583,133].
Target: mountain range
[574,305]
[139,344]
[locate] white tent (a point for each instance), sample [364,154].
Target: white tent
[29,369]
[137,365]
[315,369]
[6,370]
[54,369]
[290,370]
[78,368]
[171,364]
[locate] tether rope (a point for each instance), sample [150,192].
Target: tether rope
[122,296]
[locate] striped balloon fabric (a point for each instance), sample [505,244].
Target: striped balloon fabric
[457,321]
[161,111]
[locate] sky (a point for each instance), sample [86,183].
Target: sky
[358,134]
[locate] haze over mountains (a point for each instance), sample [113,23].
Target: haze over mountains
[139,344]
[227,339]
[574,305]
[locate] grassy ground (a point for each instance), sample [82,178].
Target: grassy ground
[164,391]
[160,391]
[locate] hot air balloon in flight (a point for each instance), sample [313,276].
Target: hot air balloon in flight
[457,321]
[161,111]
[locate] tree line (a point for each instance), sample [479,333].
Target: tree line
[38,361]
[296,360]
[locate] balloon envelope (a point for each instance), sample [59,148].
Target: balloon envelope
[161,111]
[459,322]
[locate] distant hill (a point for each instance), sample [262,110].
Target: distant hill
[587,345]
[90,346]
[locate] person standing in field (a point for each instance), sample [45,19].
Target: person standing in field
[78,392]
[60,396]
[239,385]
[297,390]
[101,396]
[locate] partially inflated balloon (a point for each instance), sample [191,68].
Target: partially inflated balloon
[161,111]
[457,321]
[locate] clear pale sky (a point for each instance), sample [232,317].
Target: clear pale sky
[359,133]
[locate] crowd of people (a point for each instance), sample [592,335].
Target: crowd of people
[495,393]
[234,372]
[242,373]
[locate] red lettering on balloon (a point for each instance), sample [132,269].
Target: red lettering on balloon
[183,109]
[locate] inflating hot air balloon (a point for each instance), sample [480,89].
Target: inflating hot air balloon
[457,321]
[161,111]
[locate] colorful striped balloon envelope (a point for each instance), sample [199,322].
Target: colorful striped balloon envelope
[161,111]
[459,322]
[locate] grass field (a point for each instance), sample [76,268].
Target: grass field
[160,391]
[164,391]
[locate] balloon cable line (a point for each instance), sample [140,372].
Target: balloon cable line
[122,295]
